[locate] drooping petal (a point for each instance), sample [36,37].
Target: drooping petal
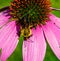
[53,42]
[3,18]
[55,20]
[34,48]
[8,40]
[55,30]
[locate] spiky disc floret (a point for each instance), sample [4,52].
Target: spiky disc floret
[32,11]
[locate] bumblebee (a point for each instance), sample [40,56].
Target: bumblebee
[26,32]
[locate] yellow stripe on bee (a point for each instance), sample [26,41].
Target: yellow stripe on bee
[26,32]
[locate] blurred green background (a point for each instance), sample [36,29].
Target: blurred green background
[16,56]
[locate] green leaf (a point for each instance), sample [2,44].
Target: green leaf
[4,3]
[50,55]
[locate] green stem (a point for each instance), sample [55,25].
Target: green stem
[21,39]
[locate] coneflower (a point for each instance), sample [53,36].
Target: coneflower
[33,20]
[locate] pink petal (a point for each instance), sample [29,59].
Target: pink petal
[53,42]
[55,20]
[34,49]
[8,40]
[3,18]
[55,30]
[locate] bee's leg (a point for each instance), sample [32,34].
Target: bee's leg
[3,9]
[30,41]
[25,38]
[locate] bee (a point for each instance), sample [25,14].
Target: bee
[26,32]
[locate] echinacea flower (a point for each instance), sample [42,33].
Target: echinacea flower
[34,21]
